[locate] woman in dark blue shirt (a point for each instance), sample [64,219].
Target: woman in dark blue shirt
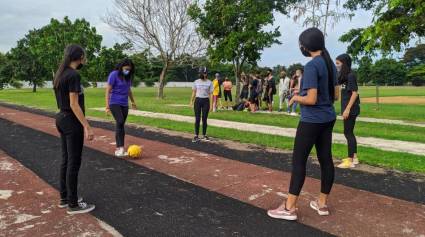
[316,97]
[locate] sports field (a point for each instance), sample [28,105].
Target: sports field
[177,99]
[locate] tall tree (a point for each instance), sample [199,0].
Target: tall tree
[47,44]
[319,13]
[27,66]
[395,24]
[415,56]
[235,29]
[162,26]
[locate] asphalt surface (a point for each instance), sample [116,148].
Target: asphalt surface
[399,185]
[140,202]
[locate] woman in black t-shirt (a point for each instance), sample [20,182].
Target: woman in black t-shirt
[72,126]
[350,107]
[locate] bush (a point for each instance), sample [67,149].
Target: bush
[150,82]
[136,81]
[16,84]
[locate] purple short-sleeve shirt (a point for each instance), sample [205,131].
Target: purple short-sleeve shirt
[120,89]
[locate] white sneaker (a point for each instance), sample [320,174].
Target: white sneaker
[293,114]
[356,161]
[120,152]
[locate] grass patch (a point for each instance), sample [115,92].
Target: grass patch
[393,160]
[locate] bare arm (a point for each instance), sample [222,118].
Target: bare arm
[133,102]
[75,107]
[309,99]
[192,98]
[352,100]
[107,93]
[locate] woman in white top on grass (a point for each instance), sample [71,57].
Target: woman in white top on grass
[201,101]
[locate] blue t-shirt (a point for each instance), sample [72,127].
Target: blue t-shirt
[120,89]
[316,77]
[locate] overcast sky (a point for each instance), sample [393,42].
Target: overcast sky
[19,16]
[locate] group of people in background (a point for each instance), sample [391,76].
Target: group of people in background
[315,89]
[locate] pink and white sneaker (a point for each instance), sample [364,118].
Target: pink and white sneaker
[283,213]
[323,211]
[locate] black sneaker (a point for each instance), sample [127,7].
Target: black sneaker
[196,139]
[206,138]
[64,203]
[81,208]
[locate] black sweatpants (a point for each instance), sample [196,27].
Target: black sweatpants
[120,115]
[349,135]
[72,139]
[202,106]
[228,95]
[319,135]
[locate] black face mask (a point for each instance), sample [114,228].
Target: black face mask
[304,51]
[80,66]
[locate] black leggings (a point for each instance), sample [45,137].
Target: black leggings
[228,94]
[309,134]
[120,115]
[202,106]
[349,135]
[72,139]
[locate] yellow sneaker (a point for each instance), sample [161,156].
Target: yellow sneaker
[345,164]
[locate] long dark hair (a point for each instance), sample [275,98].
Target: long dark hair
[345,59]
[123,63]
[313,39]
[72,53]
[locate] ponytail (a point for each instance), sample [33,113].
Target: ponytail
[331,73]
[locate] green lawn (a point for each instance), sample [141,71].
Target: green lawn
[370,91]
[147,101]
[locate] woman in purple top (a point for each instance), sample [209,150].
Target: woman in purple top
[118,90]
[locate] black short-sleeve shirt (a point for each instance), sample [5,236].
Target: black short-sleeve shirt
[271,84]
[347,89]
[70,81]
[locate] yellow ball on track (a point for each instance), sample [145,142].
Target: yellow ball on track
[134,151]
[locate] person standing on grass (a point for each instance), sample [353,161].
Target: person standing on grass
[295,88]
[216,92]
[202,91]
[227,87]
[350,107]
[72,126]
[270,90]
[253,95]
[245,87]
[118,90]
[318,92]
[283,90]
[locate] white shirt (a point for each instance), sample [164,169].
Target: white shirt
[203,88]
[284,85]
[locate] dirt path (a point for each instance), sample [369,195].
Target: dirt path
[378,143]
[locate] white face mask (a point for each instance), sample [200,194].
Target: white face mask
[338,67]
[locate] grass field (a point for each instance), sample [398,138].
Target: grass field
[147,101]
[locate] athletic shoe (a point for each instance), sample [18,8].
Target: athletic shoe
[345,164]
[283,213]
[196,139]
[280,110]
[293,114]
[206,138]
[323,211]
[356,161]
[120,152]
[64,203]
[81,208]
